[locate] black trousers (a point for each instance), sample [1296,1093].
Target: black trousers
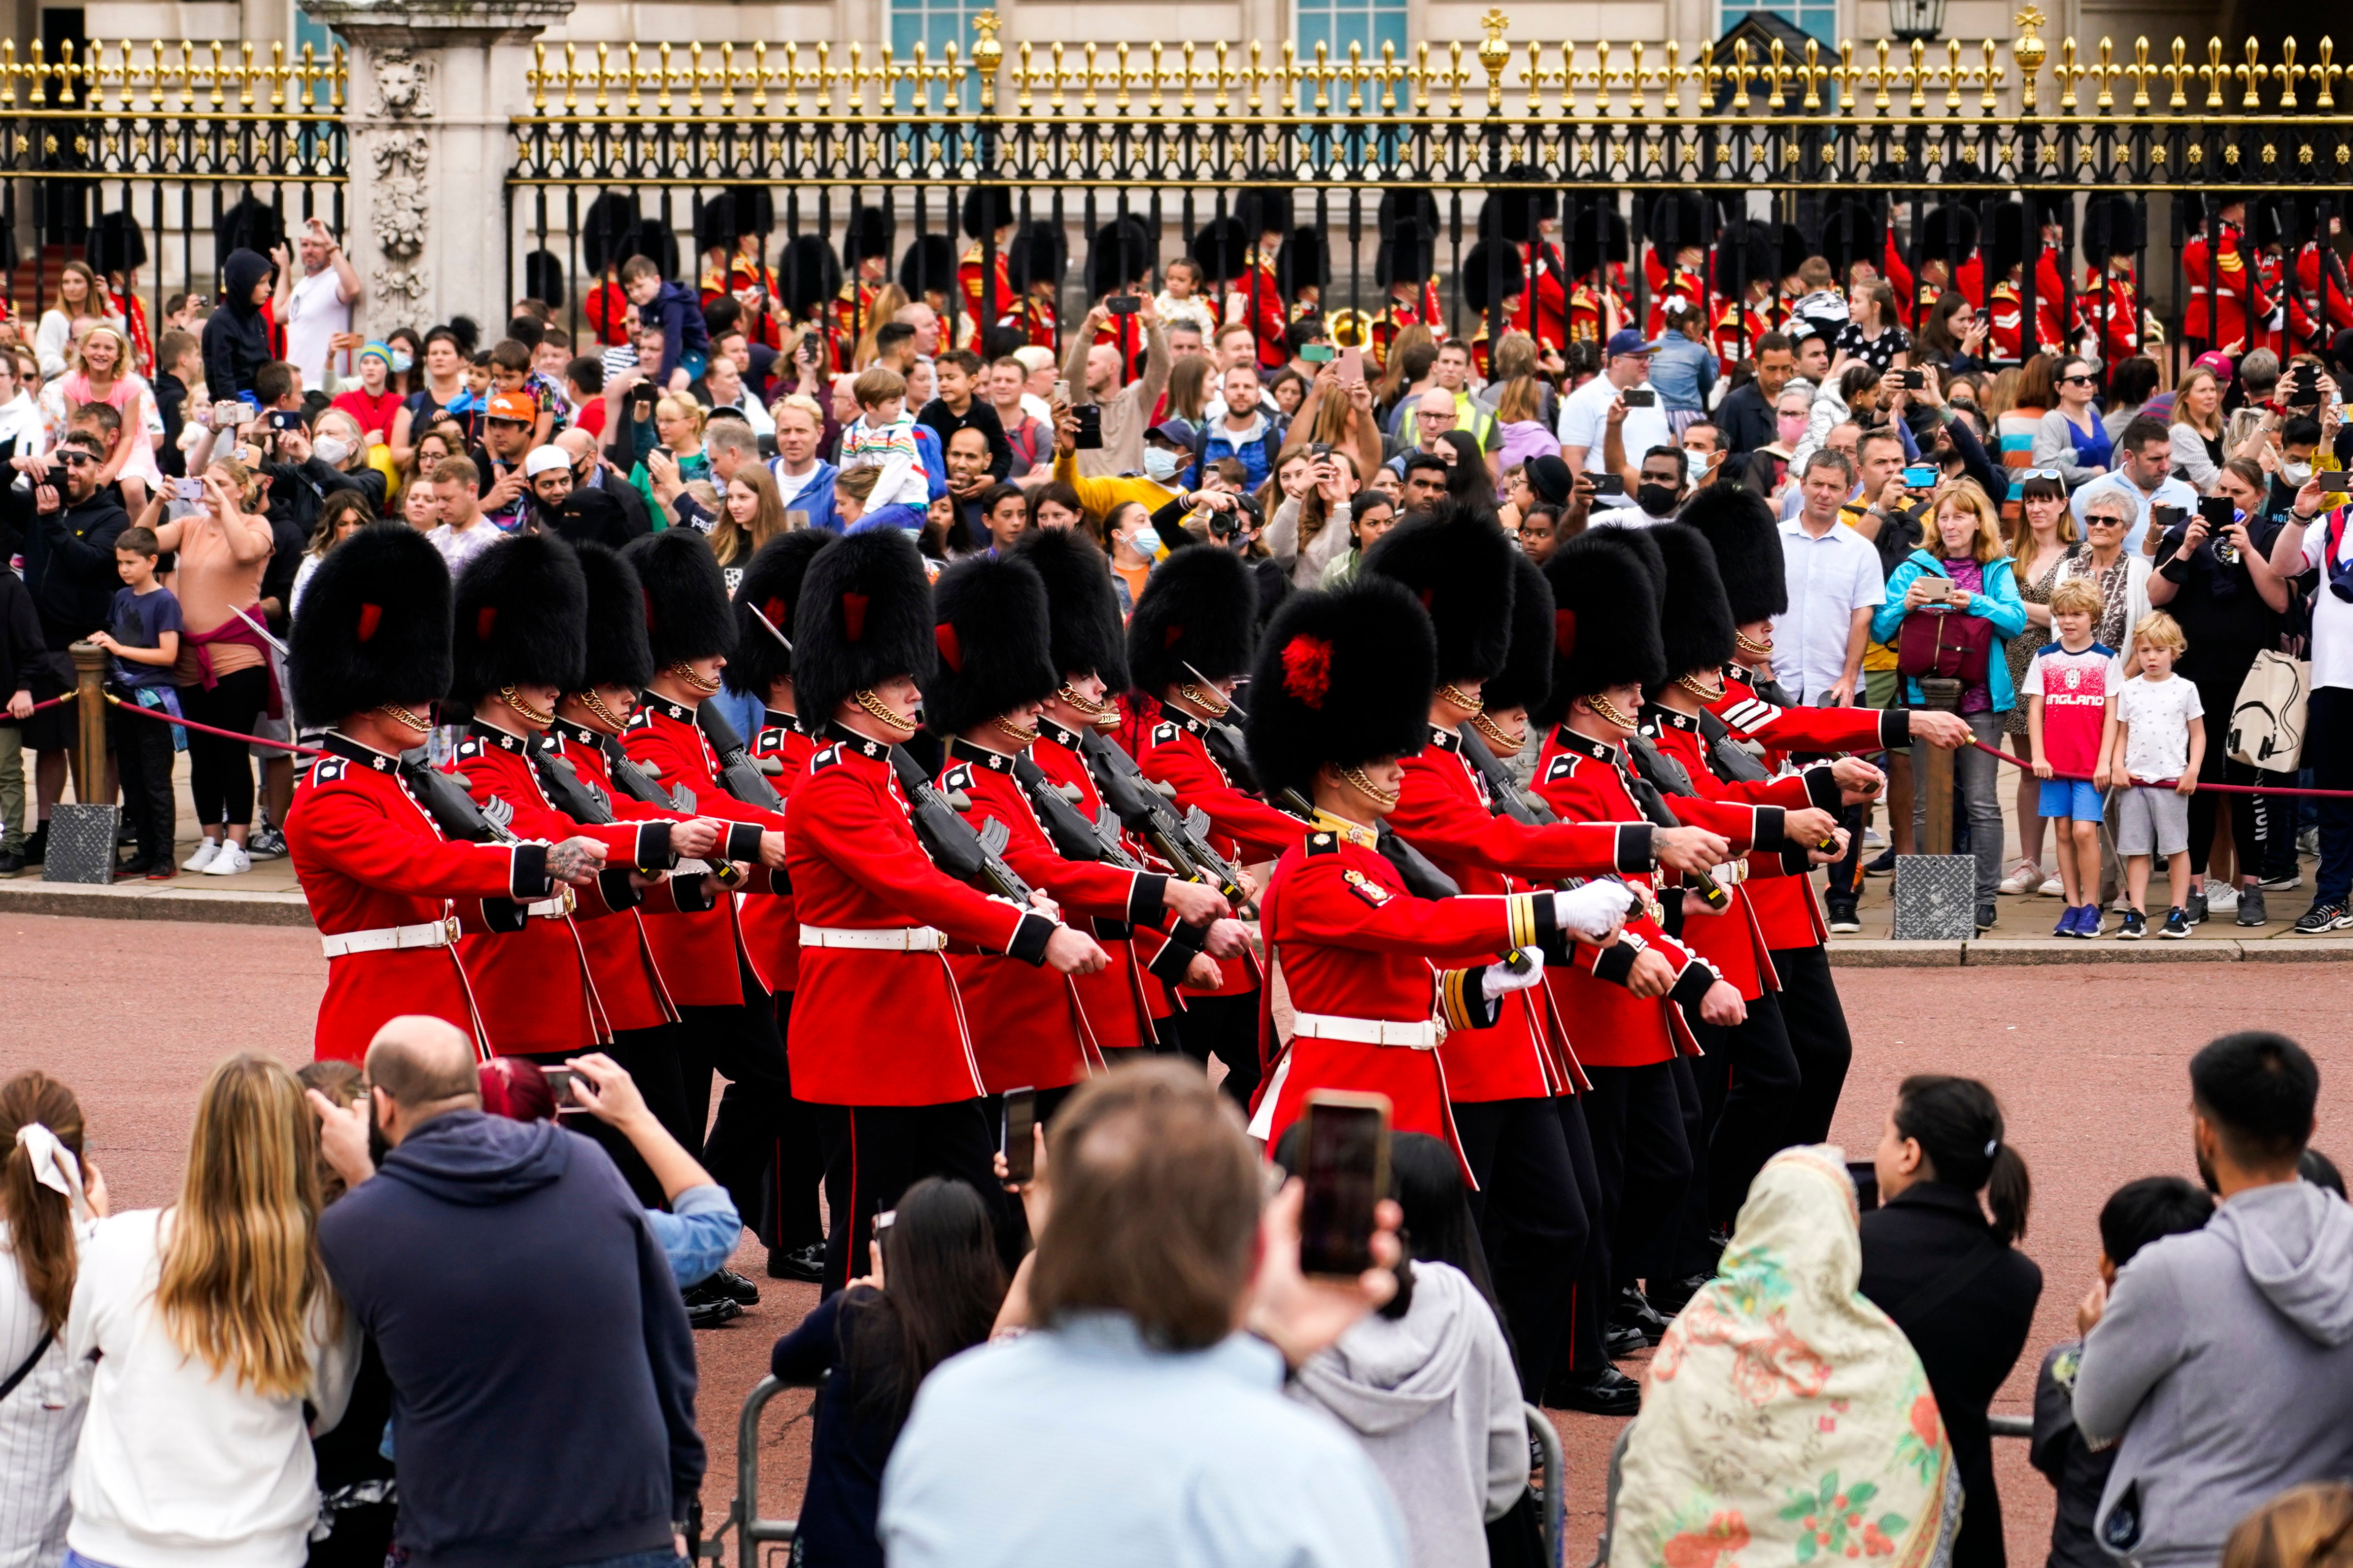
[1643,1163]
[797,1167]
[1227,1028]
[741,1043]
[1532,1223]
[1748,1087]
[2251,817]
[1816,1024]
[1581,1350]
[142,751]
[873,1153]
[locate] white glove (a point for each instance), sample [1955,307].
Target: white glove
[1590,910]
[1497,980]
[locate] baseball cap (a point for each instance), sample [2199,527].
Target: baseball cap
[1627,341]
[513,406]
[547,460]
[1549,478]
[1175,432]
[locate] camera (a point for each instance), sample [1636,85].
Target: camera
[1225,524]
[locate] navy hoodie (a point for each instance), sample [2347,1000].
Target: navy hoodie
[237,334]
[677,311]
[541,1368]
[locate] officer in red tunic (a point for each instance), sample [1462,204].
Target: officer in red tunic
[880,1034]
[1404,270]
[984,274]
[389,888]
[1375,975]
[1254,291]
[1528,220]
[866,258]
[1188,645]
[761,667]
[1035,268]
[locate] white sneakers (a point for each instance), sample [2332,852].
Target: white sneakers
[202,858]
[2024,878]
[2053,889]
[228,861]
[2221,895]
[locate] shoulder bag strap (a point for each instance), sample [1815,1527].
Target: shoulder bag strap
[41,1348]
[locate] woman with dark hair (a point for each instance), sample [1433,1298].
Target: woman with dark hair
[934,1291]
[1950,1276]
[2131,384]
[1470,479]
[50,1198]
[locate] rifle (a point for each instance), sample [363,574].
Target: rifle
[573,795]
[1731,758]
[454,811]
[1652,777]
[1076,838]
[1181,838]
[971,856]
[1523,806]
[640,786]
[739,774]
[1422,880]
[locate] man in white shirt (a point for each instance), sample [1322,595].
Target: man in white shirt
[464,532]
[2314,539]
[1590,414]
[1834,585]
[316,308]
[2143,476]
[1666,485]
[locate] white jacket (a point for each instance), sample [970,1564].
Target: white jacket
[178,1465]
[40,1422]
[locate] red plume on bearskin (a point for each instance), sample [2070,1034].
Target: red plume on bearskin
[1344,677]
[1307,670]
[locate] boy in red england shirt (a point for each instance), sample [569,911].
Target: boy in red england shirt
[2068,704]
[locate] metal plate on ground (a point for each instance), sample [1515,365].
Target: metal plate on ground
[1935,898]
[82,844]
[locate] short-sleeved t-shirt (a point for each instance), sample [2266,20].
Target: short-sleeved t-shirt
[1584,422]
[1878,352]
[2075,688]
[2156,746]
[140,620]
[2332,618]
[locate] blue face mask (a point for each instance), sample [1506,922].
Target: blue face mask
[1144,541]
[401,362]
[1159,463]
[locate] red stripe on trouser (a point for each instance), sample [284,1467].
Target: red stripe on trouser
[850,1268]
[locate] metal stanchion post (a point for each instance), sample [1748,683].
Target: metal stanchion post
[81,834]
[1936,890]
[1934,770]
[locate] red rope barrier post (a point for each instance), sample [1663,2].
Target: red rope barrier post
[89,753]
[1936,890]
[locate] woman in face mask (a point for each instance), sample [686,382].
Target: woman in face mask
[1135,546]
[407,348]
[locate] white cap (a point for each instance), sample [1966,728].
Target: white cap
[546,461]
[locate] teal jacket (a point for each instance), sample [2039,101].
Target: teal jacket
[1997,602]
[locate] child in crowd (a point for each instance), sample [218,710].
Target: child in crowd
[2156,739]
[2136,1215]
[884,439]
[2069,706]
[676,311]
[1181,299]
[143,633]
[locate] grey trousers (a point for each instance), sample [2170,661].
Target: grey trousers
[1976,778]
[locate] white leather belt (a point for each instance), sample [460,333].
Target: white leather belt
[565,901]
[1420,1035]
[881,938]
[385,938]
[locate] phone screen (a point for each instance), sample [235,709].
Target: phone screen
[2217,510]
[1319,353]
[559,1088]
[1122,304]
[1061,392]
[1020,1135]
[1866,1176]
[1348,1172]
[1921,476]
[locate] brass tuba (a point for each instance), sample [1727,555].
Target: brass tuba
[1350,328]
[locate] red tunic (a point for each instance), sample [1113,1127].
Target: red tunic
[2108,306]
[620,953]
[881,1026]
[1551,303]
[1262,307]
[2322,298]
[771,926]
[370,858]
[972,277]
[1120,1007]
[1248,830]
[1418,308]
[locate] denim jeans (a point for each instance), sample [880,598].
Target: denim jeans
[1975,786]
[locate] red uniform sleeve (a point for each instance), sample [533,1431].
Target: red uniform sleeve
[1231,812]
[843,818]
[1812,728]
[1322,905]
[1444,826]
[343,831]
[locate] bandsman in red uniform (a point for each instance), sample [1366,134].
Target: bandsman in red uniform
[2322,301]
[1188,645]
[387,885]
[866,258]
[1036,268]
[1253,288]
[1120,260]
[1492,285]
[1946,250]
[984,273]
[1375,975]
[1674,265]
[1597,253]
[733,238]
[2226,295]
[808,277]
[880,1035]
[2108,306]
[1404,270]
[1529,220]
[1304,270]
[1747,270]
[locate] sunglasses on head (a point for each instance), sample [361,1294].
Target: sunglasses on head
[2053,475]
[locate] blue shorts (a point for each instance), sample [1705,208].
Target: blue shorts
[2069,798]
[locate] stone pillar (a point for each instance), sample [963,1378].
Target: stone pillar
[434,87]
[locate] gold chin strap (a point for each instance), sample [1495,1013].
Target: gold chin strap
[1761,649]
[1094,712]
[1209,702]
[873,705]
[686,672]
[1607,711]
[1014,732]
[400,715]
[1494,732]
[1449,692]
[595,705]
[1387,798]
[537,718]
[1702,692]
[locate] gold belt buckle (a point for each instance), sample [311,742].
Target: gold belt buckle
[451,929]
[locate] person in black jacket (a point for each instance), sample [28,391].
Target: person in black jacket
[1950,1279]
[588,516]
[70,567]
[1745,415]
[236,336]
[22,654]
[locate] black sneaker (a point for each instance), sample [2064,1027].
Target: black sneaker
[1671,1297]
[806,1264]
[1634,1311]
[2286,882]
[37,846]
[2136,926]
[1844,921]
[2177,922]
[2325,915]
[1880,865]
[1986,917]
[1605,1393]
[264,843]
[11,862]
[2250,907]
[2194,912]
[734,1287]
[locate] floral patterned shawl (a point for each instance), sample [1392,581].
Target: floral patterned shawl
[1788,1420]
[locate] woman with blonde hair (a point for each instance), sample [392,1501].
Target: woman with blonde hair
[677,421]
[80,293]
[888,300]
[98,370]
[2198,427]
[212,1326]
[1188,388]
[51,1198]
[2310,1526]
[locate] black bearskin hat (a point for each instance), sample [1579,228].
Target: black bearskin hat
[542,277]
[1491,274]
[734,213]
[653,239]
[1738,526]
[1263,209]
[1343,677]
[1947,234]
[1852,231]
[1794,249]
[606,228]
[521,619]
[809,274]
[1199,607]
[1526,674]
[1409,254]
[1605,618]
[2270,219]
[1220,245]
[375,626]
[251,224]
[989,624]
[1695,620]
[865,617]
[867,233]
[1080,603]
[2113,225]
[1456,560]
[930,266]
[987,209]
[619,653]
[1518,206]
[687,616]
[1418,207]
[2005,241]
[770,588]
[1039,251]
[1679,218]
[1747,252]
[117,244]
[1304,260]
[1118,255]
[1597,236]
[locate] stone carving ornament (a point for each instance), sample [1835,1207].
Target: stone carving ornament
[403,90]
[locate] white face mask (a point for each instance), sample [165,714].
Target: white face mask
[329,451]
[1160,464]
[2297,474]
[1695,465]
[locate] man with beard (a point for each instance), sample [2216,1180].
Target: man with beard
[566,500]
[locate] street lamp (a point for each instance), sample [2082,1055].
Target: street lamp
[1919,20]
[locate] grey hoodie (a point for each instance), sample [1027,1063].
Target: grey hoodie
[1434,1399]
[2225,1362]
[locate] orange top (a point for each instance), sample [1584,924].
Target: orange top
[212,583]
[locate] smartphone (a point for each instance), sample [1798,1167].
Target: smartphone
[1089,436]
[1352,364]
[2217,510]
[1318,450]
[1922,475]
[1912,380]
[883,1223]
[188,490]
[2338,480]
[1611,485]
[1640,397]
[1123,304]
[1319,353]
[1866,1176]
[2166,517]
[1021,1141]
[285,420]
[1347,1171]
[228,415]
[641,397]
[1061,392]
[559,1086]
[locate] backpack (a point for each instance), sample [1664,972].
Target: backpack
[1947,643]
[2267,719]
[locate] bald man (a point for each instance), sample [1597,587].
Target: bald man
[527,1318]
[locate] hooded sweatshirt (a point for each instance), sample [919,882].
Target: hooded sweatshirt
[1434,1399]
[542,1369]
[236,336]
[2225,1360]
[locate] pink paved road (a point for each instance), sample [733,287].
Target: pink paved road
[2089,1060]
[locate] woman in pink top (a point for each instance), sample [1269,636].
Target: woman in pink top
[98,370]
[224,673]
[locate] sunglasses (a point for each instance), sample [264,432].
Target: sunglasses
[2053,475]
[2105,522]
[2078,379]
[75,459]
